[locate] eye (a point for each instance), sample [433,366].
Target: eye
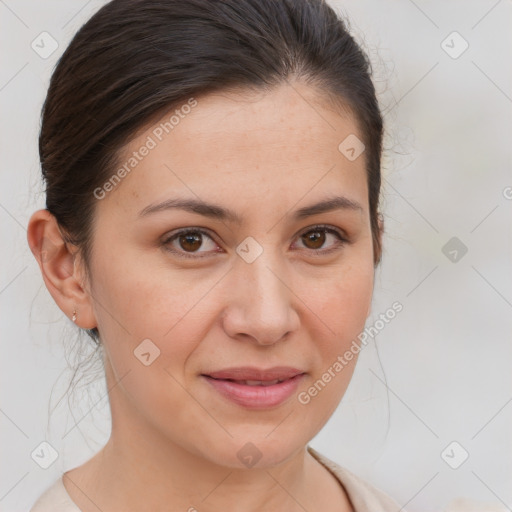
[188,241]
[316,237]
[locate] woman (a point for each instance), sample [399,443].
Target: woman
[212,175]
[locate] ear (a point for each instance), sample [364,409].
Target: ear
[61,268]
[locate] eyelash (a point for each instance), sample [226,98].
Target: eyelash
[317,252]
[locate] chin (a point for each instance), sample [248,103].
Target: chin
[257,451]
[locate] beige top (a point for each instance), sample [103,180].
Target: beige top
[363,496]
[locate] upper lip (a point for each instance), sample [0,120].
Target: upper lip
[252,373]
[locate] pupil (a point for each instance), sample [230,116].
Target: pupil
[314,237]
[190,239]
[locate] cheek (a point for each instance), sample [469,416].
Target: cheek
[342,310]
[343,302]
[151,322]
[138,299]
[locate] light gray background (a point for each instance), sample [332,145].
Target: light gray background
[441,369]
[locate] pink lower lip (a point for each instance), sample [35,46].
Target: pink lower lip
[256,397]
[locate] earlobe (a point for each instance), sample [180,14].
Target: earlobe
[58,263]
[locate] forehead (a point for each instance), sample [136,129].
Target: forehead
[242,147]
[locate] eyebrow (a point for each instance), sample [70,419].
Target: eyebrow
[218,212]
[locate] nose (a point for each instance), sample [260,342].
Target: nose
[262,306]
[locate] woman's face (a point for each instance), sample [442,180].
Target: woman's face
[182,316]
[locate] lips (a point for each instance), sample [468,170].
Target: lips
[255,388]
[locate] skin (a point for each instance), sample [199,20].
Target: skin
[174,439]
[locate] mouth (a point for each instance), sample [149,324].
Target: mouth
[255,388]
[255,382]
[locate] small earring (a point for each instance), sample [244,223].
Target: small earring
[74,315]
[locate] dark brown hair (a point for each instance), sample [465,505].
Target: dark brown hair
[136,59]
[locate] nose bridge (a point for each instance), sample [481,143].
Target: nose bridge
[263,283]
[262,303]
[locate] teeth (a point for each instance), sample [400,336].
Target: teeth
[260,382]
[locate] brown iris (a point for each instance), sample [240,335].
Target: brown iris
[191,239]
[315,237]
